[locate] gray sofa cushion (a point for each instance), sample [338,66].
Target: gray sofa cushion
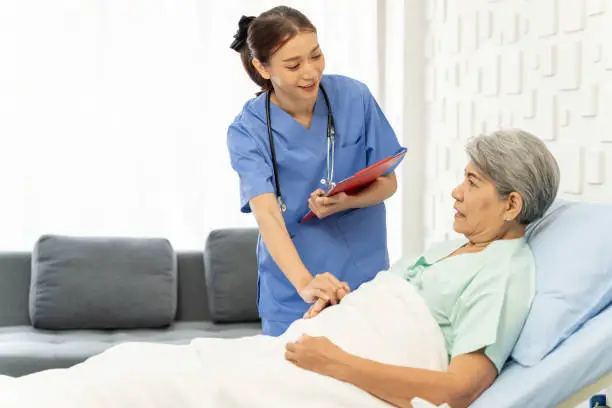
[14,286]
[102,283]
[25,350]
[230,265]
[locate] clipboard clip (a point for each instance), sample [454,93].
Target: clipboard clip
[330,188]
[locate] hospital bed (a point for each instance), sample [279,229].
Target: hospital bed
[571,317]
[580,367]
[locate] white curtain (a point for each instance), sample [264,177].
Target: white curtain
[113,113]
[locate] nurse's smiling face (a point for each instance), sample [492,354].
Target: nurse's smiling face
[296,68]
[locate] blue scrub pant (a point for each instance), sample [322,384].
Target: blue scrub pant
[274,328]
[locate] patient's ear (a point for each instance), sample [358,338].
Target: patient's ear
[514,205]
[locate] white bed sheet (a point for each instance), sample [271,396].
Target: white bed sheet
[250,371]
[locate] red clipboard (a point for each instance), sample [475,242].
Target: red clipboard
[362,178]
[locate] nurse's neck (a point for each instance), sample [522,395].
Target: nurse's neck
[299,109]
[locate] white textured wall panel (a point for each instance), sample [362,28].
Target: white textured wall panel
[544,15]
[605,122]
[606,32]
[548,60]
[541,65]
[590,94]
[595,167]
[595,7]
[513,72]
[572,15]
[569,65]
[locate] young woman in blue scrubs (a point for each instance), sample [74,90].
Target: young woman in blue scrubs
[346,243]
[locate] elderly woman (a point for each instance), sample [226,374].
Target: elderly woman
[439,327]
[478,289]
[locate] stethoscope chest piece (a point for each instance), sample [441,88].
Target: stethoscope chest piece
[281,204]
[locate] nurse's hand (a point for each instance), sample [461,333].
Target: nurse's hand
[325,206]
[322,286]
[321,304]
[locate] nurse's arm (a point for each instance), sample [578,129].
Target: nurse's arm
[377,192]
[276,237]
[467,376]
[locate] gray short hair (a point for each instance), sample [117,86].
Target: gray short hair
[517,161]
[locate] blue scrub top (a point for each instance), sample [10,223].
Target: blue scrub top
[351,245]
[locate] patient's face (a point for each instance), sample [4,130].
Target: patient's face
[479,212]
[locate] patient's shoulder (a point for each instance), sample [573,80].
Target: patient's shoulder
[508,265]
[512,256]
[492,308]
[516,291]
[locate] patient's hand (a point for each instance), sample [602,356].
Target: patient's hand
[321,304]
[316,354]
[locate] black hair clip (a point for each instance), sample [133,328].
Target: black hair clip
[241,35]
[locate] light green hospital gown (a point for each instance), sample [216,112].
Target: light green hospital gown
[480,300]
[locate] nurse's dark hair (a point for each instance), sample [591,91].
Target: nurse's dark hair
[259,37]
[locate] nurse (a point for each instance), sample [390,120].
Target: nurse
[301,133]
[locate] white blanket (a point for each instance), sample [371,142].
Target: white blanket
[385,320]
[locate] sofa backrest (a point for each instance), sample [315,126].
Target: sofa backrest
[225,292]
[14,288]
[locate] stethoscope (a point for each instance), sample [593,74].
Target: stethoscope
[331,145]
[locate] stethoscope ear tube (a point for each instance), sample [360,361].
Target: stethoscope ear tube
[331,146]
[279,196]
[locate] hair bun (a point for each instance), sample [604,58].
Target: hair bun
[241,35]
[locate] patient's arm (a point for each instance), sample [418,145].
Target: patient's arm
[468,375]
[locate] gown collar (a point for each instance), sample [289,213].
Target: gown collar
[442,251]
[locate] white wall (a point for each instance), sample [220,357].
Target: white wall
[401,37]
[113,113]
[391,72]
[542,65]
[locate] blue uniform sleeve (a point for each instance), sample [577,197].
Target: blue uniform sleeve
[381,140]
[253,167]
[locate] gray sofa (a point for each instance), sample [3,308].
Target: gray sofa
[209,293]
